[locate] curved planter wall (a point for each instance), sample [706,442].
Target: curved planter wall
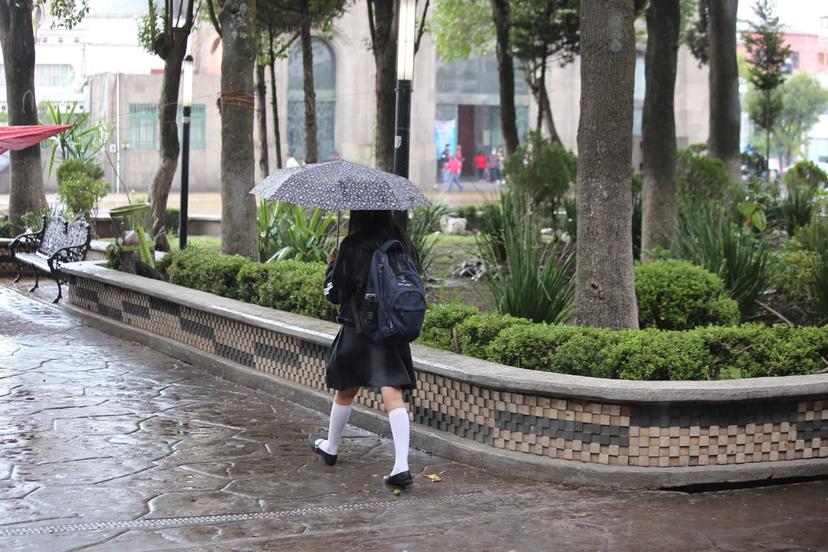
[534,424]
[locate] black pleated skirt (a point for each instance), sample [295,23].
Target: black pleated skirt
[356,361]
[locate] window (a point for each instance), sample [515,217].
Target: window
[143,126]
[476,75]
[324,80]
[197,126]
[821,58]
[47,75]
[54,75]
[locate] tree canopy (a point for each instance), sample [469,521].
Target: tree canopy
[67,13]
[461,28]
[802,101]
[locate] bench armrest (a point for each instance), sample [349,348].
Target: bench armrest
[25,243]
[69,254]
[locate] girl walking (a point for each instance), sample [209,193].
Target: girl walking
[356,361]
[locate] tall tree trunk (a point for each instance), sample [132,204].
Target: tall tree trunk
[547,113]
[605,293]
[17,40]
[238,164]
[311,146]
[535,87]
[659,141]
[725,114]
[168,148]
[261,109]
[506,75]
[275,105]
[767,133]
[384,21]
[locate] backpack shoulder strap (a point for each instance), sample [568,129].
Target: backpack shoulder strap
[388,245]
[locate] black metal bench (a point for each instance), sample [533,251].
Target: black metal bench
[57,242]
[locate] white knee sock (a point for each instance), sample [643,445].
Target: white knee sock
[399,429]
[339,417]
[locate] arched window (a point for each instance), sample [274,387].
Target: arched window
[324,80]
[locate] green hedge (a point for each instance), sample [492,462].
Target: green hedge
[440,321]
[291,286]
[677,295]
[751,350]
[712,352]
[476,332]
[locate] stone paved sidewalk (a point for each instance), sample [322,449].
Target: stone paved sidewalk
[109,445]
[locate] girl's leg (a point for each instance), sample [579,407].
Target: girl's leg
[340,412]
[392,399]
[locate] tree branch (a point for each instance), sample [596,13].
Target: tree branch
[287,44]
[168,15]
[211,10]
[421,30]
[190,19]
[777,313]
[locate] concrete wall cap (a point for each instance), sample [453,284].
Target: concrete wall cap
[467,369]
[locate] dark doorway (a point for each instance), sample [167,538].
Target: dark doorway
[465,137]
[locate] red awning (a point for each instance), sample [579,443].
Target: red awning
[24,136]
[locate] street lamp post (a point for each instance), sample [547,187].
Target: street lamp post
[405,73]
[185,149]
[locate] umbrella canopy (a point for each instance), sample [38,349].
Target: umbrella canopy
[341,185]
[25,136]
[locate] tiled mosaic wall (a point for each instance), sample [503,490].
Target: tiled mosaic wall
[652,435]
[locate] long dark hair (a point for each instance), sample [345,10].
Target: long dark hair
[379,224]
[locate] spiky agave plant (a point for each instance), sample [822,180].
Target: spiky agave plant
[534,280]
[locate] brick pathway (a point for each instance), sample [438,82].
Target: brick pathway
[109,445]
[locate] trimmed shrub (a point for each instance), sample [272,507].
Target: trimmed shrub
[182,267]
[661,355]
[530,346]
[440,321]
[291,286]
[251,280]
[216,273]
[779,350]
[677,295]
[476,332]
[699,177]
[588,352]
[306,284]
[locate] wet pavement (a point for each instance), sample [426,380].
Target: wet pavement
[108,445]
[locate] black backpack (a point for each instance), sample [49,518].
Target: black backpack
[393,305]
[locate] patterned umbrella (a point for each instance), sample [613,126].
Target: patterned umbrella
[341,185]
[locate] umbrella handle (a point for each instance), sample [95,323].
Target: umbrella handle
[338,222]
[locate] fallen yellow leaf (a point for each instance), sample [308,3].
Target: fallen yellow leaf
[434,477]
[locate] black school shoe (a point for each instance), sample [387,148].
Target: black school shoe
[402,479]
[330,459]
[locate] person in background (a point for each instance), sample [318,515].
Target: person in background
[291,161]
[444,158]
[451,173]
[501,157]
[493,165]
[480,163]
[356,361]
